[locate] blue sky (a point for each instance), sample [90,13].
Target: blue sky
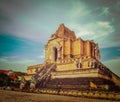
[26,26]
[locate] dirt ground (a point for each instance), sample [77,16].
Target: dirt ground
[13,96]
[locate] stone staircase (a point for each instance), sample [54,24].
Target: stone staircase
[42,76]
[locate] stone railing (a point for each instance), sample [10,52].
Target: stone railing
[40,76]
[35,66]
[88,94]
[90,70]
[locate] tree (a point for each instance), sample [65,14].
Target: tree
[4,80]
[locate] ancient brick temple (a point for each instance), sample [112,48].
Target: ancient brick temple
[72,63]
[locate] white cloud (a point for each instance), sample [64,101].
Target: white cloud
[85,33]
[36,22]
[105,11]
[19,65]
[106,25]
[9,57]
[78,11]
[42,55]
[98,31]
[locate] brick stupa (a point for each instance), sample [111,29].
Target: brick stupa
[72,63]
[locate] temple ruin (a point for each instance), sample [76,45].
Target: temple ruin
[72,63]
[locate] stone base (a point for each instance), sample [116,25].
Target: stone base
[82,79]
[81,84]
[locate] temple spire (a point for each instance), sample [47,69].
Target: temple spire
[64,32]
[61,28]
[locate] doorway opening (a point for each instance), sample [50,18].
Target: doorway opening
[55,53]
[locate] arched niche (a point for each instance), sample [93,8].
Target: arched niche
[55,53]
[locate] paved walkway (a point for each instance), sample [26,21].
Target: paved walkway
[13,96]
